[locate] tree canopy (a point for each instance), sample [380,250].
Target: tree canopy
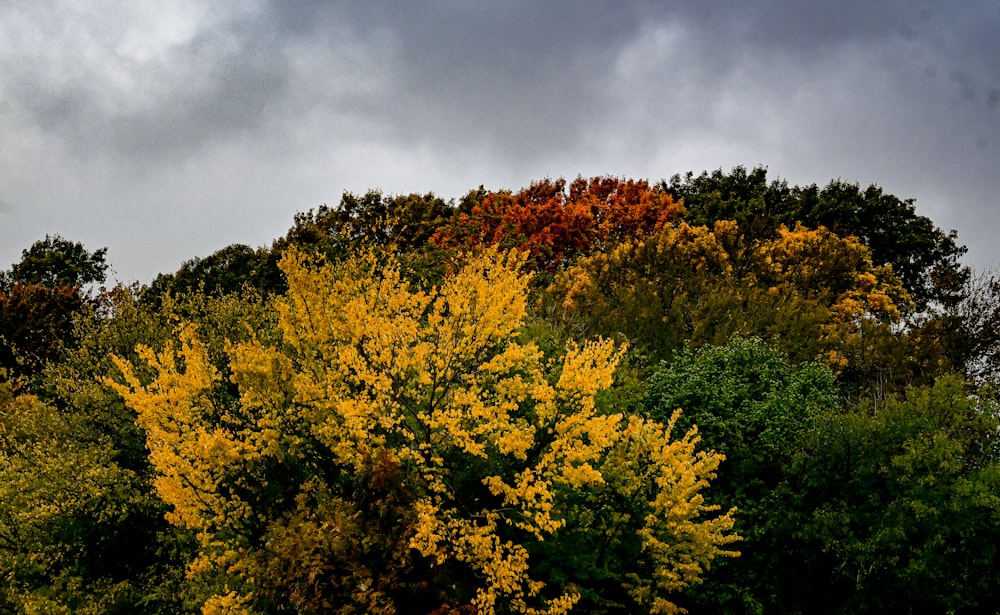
[581,396]
[555,223]
[925,257]
[40,297]
[55,261]
[377,395]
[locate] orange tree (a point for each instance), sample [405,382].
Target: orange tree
[391,449]
[555,223]
[41,297]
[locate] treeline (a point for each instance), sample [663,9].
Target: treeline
[718,393]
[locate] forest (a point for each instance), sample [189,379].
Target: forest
[716,393]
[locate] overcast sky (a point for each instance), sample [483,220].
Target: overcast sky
[165,130]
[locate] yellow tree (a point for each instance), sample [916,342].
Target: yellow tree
[392,449]
[837,269]
[865,301]
[815,292]
[684,285]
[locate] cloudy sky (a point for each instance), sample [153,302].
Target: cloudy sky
[165,130]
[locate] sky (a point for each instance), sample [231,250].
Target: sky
[168,129]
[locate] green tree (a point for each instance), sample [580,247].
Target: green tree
[750,404]
[401,224]
[64,540]
[55,261]
[746,197]
[895,506]
[225,271]
[404,223]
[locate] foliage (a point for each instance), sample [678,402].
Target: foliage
[699,285]
[964,336]
[555,223]
[401,224]
[895,506]
[40,298]
[61,490]
[362,417]
[55,261]
[226,271]
[889,506]
[399,449]
[406,222]
[85,531]
[922,255]
[752,405]
[36,325]
[837,270]
[747,400]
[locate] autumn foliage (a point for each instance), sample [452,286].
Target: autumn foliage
[695,284]
[555,223]
[476,443]
[578,397]
[36,322]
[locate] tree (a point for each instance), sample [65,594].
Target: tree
[555,223]
[401,223]
[62,548]
[650,290]
[754,406]
[405,223]
[894,506]
[36,325]
[747,400]
[225,271]
[395,448]
[40,298]
[926,258]
[81,528]
[701,285]
[745,197]
[964,336]
[55,261]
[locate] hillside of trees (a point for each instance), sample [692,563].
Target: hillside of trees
[718,393]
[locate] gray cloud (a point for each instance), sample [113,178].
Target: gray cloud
[512,79]
[167,131]
[106,90]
